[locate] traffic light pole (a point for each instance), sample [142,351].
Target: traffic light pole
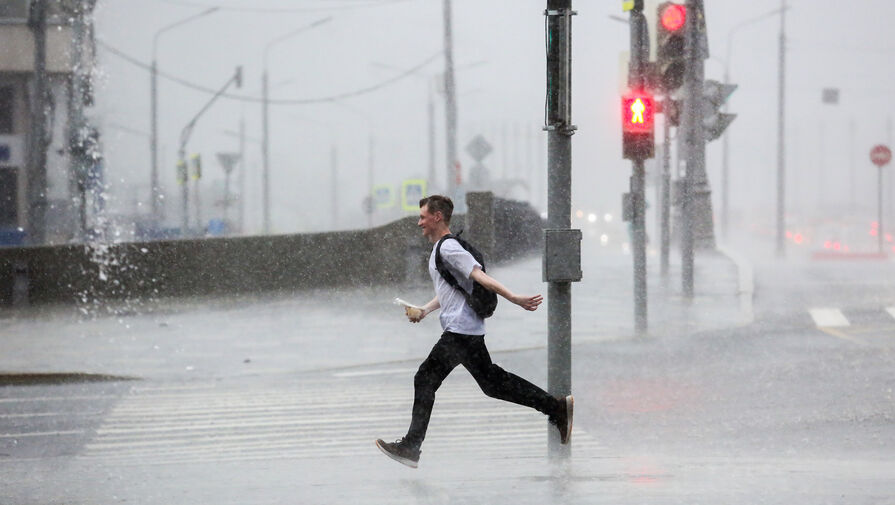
[666,194]
[559,207]
[637,80]
[695,201]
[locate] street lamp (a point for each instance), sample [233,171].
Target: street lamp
[181,151]
[725,146]
[265,143]
[153,139]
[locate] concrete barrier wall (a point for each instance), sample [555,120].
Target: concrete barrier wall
[390,254]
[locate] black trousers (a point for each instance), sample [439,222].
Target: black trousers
[453,349]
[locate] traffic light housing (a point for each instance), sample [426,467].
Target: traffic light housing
[638,125]
[671,45]
[714,95]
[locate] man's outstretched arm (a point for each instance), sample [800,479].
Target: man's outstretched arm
[527,302]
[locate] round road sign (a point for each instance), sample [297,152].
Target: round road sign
[880,155]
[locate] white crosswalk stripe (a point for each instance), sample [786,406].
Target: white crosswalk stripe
[891,311]
[337,417]
[828,317]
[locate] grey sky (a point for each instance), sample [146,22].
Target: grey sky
[830,46]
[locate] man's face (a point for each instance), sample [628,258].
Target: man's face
[429,222]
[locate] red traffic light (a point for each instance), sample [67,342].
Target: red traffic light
[638,111]
[673,17]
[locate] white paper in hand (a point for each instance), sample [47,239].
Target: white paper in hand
[398,301]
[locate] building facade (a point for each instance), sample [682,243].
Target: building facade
[40,178]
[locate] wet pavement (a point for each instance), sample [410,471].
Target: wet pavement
[277,399]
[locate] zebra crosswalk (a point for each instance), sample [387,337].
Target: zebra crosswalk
[339,416]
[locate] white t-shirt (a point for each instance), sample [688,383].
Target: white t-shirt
[456,315]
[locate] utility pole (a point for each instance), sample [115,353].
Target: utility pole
[38,139]
[430,109]
[334,177]
[781,141]
[696,198]
[450,107]
[242,173]
[265,158]
[370,168]
[562,255]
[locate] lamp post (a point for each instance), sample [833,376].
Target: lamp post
[185,137]
[153,137]
[265,102]
[725,146]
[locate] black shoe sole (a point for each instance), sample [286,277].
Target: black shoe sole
[570,410]
[404,461]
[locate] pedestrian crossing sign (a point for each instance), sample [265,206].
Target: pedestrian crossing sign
[412,190]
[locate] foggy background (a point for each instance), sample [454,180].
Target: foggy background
[499,54]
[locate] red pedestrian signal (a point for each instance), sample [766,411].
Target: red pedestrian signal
[638,125]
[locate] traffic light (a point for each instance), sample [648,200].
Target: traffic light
[714,122]
[670,45]
[638,125]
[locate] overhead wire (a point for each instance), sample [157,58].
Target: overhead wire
[254,99]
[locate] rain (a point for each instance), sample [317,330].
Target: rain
[216,272]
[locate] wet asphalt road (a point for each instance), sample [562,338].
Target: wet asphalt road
[778,411]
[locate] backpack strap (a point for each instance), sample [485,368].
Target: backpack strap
[442,268]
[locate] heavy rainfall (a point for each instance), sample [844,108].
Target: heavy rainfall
[216,273]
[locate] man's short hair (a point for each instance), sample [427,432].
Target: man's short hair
[439,203]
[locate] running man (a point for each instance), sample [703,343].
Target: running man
[463,340]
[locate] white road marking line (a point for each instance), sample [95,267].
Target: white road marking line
[828,318]
[48,414]
[307,421]
[364,373]
[54,398]
[42,434]
[891,311]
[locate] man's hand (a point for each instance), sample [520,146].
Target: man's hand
[527,302]
[414,315]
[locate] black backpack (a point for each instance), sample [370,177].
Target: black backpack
[482,300]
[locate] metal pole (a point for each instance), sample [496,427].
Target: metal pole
[265,158]
[695,196]
[666,195]
[37,151]
[334,177]
[370,147]
[450,106]
[430,108]
[184,176]
[852,170]
[242,173]
[881,230]
[153,146]
[638,186]
[198,199]
[781,159]
[559,201]
[725,168]
[637,80]
[891,199]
